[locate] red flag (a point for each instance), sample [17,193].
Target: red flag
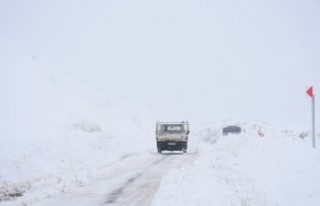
[260,133]
[310,91]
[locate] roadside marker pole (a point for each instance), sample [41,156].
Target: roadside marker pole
[310,93]
[313,123]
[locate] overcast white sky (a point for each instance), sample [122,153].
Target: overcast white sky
[196,60]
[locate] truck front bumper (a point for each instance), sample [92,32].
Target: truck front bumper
[172,145]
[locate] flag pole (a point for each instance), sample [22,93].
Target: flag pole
[313,123]
[310,93]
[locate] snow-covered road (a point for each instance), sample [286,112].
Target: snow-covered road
[131,181]
[247,169]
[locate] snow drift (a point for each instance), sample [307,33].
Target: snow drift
[279,168]
[55,133]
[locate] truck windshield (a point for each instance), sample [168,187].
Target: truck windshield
[172,128]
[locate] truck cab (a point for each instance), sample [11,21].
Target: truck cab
[172,136]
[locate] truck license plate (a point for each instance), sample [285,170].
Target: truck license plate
[171,143]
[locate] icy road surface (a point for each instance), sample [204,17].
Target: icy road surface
[131,181]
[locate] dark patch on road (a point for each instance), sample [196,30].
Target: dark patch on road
[114,195]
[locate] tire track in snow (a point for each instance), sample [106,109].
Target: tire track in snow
[113,196]
[141,187]
[126,183]
[116,193]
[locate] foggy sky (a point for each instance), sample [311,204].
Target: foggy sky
[195,60]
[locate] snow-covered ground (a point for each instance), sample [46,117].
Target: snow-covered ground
[279,168]
[131,181]
[60,141]
[56,134]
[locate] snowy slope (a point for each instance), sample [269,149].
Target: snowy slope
[55,133]
[279,168]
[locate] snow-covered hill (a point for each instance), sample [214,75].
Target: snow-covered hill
[210,59]
[279,168]
[55,133]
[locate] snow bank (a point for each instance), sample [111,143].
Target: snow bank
[279,168]
[55,134]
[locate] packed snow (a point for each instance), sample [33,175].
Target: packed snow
[270,167]
[56,134]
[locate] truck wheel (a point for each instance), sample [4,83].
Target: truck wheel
[184,150]
[159,150]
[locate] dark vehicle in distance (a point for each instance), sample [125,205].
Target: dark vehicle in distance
[231,130]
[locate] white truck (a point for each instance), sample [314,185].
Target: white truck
[172,136]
